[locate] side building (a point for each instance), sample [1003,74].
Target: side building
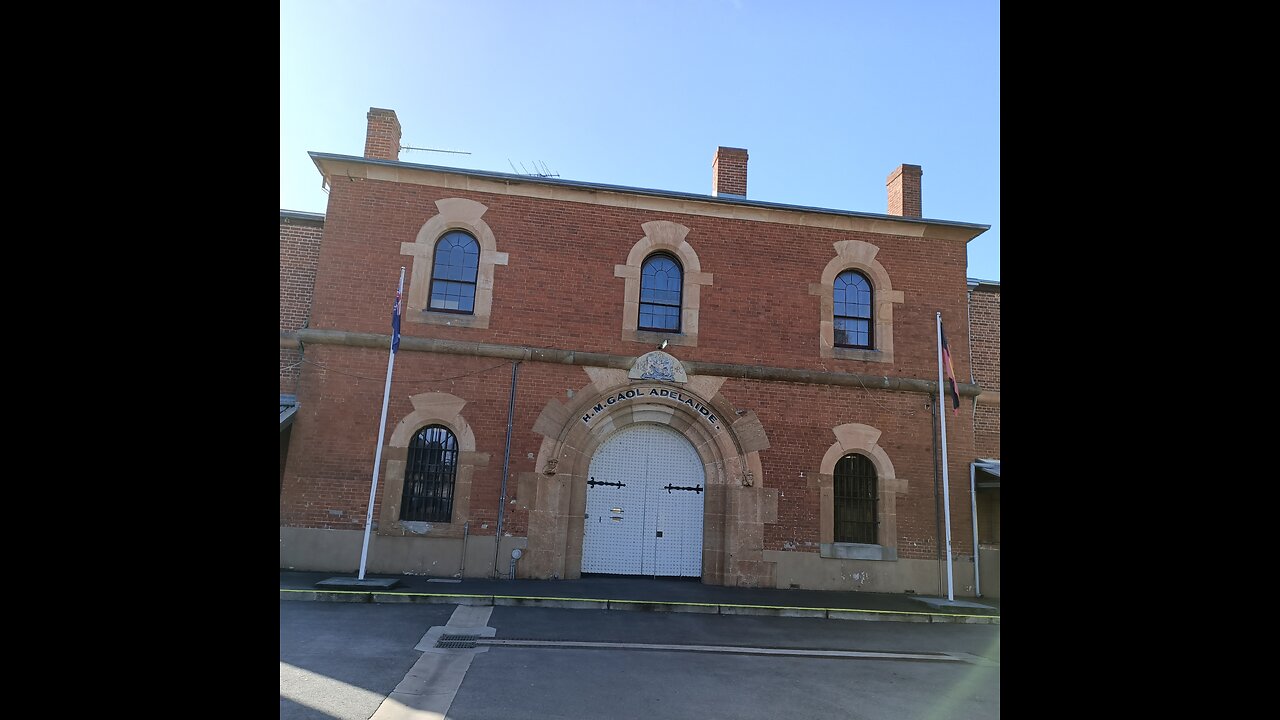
[984,339]
[299,252]
[603,379]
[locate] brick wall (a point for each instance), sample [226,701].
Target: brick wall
[382,135]
[559,291]
[904,189]
[729,172]
[335,436]
[299,254]
[984,320]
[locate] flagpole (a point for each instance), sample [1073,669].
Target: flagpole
[382,428]
[946,495]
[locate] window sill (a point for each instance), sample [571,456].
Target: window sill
[428,317]
[655,338]
[857,551]
[421,528]
[845,353]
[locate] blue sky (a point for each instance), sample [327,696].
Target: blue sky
[827,97]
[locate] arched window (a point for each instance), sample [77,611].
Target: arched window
[852,321]
[660,290]
[855,500]
[453,274]
[429,474]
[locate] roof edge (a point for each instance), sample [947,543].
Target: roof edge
[300,215]
[318,157]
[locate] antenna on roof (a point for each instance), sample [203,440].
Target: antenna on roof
[455,152]
[540,169]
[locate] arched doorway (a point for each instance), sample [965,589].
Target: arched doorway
[645,497]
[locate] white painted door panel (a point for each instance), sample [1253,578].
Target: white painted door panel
[645,497]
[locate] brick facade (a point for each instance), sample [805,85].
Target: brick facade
[558,290]
[299,253]
[984,324]
[984,321]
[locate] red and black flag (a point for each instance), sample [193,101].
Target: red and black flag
[951,373]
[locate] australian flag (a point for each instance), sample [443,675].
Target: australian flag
[395,325]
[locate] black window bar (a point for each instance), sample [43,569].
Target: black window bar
[429,476]
[855,500]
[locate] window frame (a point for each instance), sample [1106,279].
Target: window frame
[435,267]
[662,235]
[679,306]
[450,452]
[863,440]
[858,503]
[454,214]
[860,256]
[869,319]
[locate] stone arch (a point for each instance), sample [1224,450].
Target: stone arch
[734,505]
[430,408]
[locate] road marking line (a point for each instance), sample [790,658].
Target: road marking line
[428,689]
[863,654]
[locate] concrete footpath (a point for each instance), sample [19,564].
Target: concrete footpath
[639,594]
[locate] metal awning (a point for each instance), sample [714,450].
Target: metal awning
[288,406]
[988,473]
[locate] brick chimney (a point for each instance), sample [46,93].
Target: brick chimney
[729,172]
[904,191]
[382,139]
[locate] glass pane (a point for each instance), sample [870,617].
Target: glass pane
[660,281]
[852,295]
[457,257]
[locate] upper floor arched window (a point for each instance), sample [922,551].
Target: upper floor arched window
[661,283]
[453,273]
[852,310]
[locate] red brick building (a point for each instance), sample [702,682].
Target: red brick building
[299,250]
[984,339]
[625,381]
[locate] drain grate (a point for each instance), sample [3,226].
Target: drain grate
[457,641]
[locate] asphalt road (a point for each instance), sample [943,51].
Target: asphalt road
[342,660]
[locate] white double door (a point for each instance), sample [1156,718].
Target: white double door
[645,493]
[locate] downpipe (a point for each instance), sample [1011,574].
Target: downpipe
[506,467]
[462,563]
[973,502]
